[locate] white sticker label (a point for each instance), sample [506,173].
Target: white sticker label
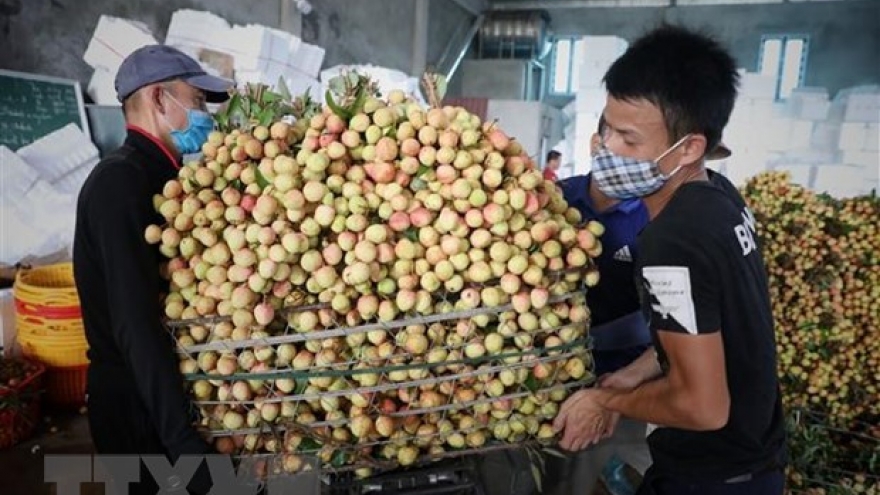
[670,289]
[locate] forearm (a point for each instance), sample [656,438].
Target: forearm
[643,369]
[659,402]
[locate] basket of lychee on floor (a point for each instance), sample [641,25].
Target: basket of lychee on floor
[20,389]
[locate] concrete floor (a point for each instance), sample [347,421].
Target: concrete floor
[61,432]
[21,466]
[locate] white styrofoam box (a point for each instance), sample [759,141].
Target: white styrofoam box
[826,135]
[771,133]
[18,177]
[807,156]
[841,181]
[590,100]
[73,181]
[102,88]
[308,59]
[801,173]
[754,85]
[603,47]
[191,30]
[59,152]
[745,164]
[872,137]
[299,84]
[386,79]
[800,134]
[853,136]
[113,40]
[861,158]
[862,107]
[808,103]
[8,332]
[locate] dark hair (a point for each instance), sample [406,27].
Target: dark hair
[689,76]
[553,155]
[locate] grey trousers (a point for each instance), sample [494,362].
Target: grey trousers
[579,472]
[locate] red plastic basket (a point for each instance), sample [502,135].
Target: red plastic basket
[20,408]
[66,386]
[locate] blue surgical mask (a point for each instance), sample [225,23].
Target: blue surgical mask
[198,125]
[622,178]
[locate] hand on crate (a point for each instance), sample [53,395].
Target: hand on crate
[583,421]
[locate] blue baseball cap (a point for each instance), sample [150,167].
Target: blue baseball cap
[156,63]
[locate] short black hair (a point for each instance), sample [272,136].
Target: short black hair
[553,155]
[688,75]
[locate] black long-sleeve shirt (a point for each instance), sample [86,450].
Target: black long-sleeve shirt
[119,285]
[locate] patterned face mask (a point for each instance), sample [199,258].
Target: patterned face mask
[621,177]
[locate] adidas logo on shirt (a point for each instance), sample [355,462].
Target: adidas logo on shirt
[623,254]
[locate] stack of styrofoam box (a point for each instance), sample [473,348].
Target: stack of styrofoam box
[194,31]
[113,40]
[597,55]
[859,139]
[64,158]
[755,130]
[260,54]
[265,55]
[39,203]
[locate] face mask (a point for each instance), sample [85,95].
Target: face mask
[198,125]
[621,177]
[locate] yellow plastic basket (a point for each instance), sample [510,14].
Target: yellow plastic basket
[48,317]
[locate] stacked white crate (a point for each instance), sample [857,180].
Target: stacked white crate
[260,54]
[857,113]
[598,53]
[808,144]
[755,131]
[113,40]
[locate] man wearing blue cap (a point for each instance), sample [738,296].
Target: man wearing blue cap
[136,401]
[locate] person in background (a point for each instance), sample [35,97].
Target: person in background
[710,383]
[136,401]
[551,165]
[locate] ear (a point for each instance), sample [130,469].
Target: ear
[154,94]
[693,149]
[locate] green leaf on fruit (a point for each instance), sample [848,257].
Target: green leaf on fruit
[339,458]
[338,110]
[266,117]
[301,386]
[283,90]
[440,83]
[308,445]
[411,234]
[531,383]
[423,169]
[261,179]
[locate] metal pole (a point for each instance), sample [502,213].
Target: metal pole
[420,38]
